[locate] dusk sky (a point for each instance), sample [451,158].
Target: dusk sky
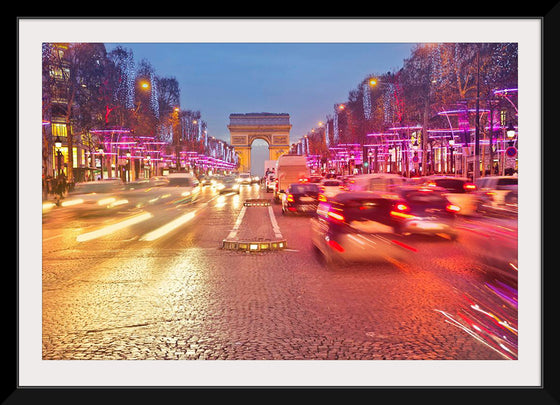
[304,80]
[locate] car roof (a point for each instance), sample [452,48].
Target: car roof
[303,184]
[179,175]
[447,178]
[377,175]
[417,187]
[355,195]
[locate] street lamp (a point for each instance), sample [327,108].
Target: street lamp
[510,131]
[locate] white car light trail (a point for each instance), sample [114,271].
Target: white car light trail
[68,203]
[165,229]
[113,228]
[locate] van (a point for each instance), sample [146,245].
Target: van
[383,182]
[245,178]
[290,169]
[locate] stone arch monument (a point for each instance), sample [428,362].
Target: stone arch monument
[273,128]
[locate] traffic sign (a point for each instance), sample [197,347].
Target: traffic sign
[511,151]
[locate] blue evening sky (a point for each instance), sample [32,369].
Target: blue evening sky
[304,80]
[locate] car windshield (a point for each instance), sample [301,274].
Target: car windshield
[452,185]
[304,189]
[424,197]
[180,182]
[365,209]
[507,182]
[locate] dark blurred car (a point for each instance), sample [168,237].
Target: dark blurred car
[460,191]
[301,198]
[357,226]
[227,184]
[424,210]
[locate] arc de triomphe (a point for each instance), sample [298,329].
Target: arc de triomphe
[273,128]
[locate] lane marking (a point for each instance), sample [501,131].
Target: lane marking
[237,224]
[275,226]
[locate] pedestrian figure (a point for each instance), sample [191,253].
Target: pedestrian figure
[59,189]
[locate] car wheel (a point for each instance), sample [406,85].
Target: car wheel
[330,261]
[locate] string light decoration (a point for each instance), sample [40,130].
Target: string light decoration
[335,125]
[154,96]
[129,71]
[366,100]
[436,65]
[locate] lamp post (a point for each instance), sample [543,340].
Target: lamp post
[58,145]
[127,167]
[451,160]
[149,163]
[101,155]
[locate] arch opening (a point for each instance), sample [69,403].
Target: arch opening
[272,128]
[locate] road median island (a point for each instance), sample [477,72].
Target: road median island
[255,229]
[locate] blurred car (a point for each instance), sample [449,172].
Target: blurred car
[270,183]
[374,182]
[227,184]
[329,188]
[96,196]
[497,194]
[357,226]
[460,191]
[245,178]
[157,181]
[205,180]
[315,179]
[255,179]
[424,210]
[182,186]
[496,245]
[301,198]
[137,184]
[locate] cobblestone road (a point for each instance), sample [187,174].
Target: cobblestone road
[185,298]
